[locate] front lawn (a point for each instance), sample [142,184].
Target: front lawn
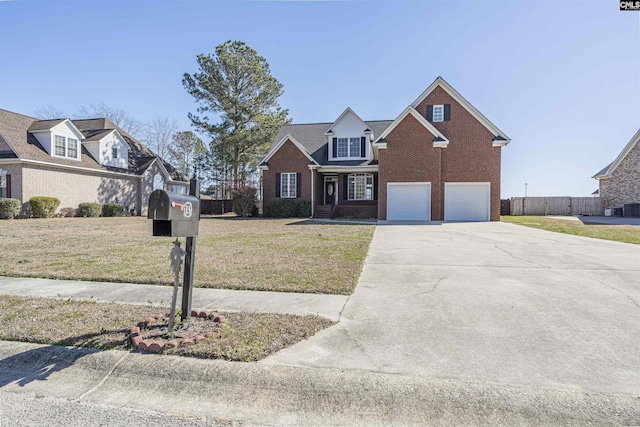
[247,336]
[618,233]
[277,255]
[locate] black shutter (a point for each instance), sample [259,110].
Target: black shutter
[430,113]
[335,147]
[278,185]
[363,146]
[375,187]
[345,195]
[8,186]
[298,184]
[447,112]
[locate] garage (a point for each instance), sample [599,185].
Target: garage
[467,201]
[409,201]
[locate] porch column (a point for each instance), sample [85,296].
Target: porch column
[312,192]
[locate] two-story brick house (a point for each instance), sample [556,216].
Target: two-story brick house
[438,160]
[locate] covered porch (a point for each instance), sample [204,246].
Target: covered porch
[345,192]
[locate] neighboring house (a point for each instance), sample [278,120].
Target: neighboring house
[438,160]
[79,161]
[620,181]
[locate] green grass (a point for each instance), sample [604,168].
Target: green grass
[247,336]
[618,233]
[277,255]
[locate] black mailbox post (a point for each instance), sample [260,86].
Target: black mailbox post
[174,214]
[178,215]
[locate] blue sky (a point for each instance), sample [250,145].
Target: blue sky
[562,79]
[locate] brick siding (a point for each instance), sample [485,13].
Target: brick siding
[623,185]
[469,157]
[287,159]
[75,187]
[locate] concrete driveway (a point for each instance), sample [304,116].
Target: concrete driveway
[492,303]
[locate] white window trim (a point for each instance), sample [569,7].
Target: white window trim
[289,189]
[334,156]
[114,152]
[65,141]
[3,183]
[441,107]
[366,177]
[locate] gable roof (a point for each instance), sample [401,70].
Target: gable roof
[607,171]
[45,124]
[438,136]
[440,82]
[344,113]
[15,131]
[312,137]
[276,147]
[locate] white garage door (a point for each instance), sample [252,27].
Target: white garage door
[466,201]
[409,201]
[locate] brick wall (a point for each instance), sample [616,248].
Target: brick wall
[410,157]
[16,179]
[287,159]
[623,186]
[74,187]
[469,157]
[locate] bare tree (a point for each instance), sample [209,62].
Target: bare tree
[49,112]
[158,135]
[118,116]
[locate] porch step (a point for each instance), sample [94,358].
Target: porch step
[323,211]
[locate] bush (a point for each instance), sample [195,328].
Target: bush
[112,209]
[303,209]
[244,201]
[89,210]
[284,208]
[43,206]
[9,208]
[66,213]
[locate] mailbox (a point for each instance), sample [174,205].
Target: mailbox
[173,214]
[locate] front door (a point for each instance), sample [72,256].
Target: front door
[330,192]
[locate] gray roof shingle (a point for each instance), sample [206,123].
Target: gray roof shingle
[16,139]
[313,139]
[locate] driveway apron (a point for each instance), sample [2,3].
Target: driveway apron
[489,302]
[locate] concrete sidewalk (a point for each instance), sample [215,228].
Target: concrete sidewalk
[329,306]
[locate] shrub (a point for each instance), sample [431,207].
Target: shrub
[26,211]
[66,213]
[43,206]
[9,208]
[303,209]
[112,209]
[89,210]
[244,201]
[284,208]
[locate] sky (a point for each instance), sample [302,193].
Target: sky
[560,78]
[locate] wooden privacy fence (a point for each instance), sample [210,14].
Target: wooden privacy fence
[215,207]
[556,206]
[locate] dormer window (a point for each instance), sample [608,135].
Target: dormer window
[72,148]
[345,148]
[65,147]
[114,152]
[61,148]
